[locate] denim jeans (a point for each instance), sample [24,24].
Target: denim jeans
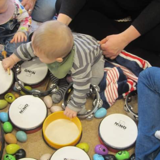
[7,31]
[9,47]
[149,114]
[44,10]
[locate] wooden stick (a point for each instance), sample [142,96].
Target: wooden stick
[4,53]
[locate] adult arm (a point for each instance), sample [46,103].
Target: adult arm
[68,9]
[29,5]
[150,17]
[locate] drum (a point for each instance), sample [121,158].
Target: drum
[6,79]
[27,113]
[117,132]
[54,134]
[131,105]
[32,72]
[70,153]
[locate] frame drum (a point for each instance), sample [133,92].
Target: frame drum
[6,80]
[27,113]
[117,132]
[70,153]
[32,72]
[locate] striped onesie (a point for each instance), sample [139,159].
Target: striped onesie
[87,55]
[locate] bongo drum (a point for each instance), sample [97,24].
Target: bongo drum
[6,80]
[27,113]
[32,72]
[70,153]
[131,105]
[117,132]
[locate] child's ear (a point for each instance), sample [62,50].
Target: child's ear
[59,59]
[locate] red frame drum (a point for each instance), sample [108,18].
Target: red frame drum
[6,79]
[27,113]
[118,132]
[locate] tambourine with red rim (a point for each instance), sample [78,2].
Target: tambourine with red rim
[31,73]
[70,153]
[118,132]
[94,94]
[131,105]
[6,79]
[27,113]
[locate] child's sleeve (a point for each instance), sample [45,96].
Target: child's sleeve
[23,17]
[25,51]
[81,86]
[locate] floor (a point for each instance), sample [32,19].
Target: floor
[35,146]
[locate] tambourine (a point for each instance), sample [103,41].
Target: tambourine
[131,106]
[31,73]
[94,94]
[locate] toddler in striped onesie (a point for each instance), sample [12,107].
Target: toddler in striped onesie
[64,53]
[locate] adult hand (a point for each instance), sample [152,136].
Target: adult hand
[29,5]
[70,113]
[19,37]
[112,45]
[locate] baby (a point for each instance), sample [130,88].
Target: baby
[64,53]
[14,24]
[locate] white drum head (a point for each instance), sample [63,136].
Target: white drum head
[6,80]
[27,159]
[27,112]
[32,72]
[70,153]
[118,131]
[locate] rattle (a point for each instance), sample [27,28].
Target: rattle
[4,53]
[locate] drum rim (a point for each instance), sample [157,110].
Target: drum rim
[69,147]
[128,109]
[113,147]
[24,129]
[16,75]
[61,147]
[11,74]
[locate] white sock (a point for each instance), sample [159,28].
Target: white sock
[157,134]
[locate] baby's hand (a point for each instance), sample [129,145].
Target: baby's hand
[8,63]
[70,113]
[19,37]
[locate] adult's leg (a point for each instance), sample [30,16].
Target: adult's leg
[149,113]
[44,10]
